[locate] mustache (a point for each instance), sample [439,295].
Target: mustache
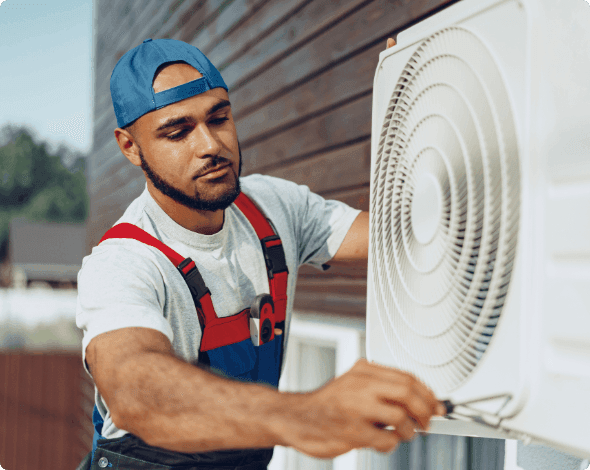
[212,163]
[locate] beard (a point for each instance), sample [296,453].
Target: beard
[200,201]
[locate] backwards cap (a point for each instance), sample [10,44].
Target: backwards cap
[131,81]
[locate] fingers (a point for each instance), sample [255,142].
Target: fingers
[397,418]
[390,43]
[417,387]
[385,440]
[403,389]
[369,406]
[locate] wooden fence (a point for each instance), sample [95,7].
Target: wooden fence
[46,403]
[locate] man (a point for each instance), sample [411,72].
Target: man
[166,395]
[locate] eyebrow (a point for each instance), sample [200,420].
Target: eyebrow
[172,122]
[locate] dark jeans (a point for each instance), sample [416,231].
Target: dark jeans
[131,453]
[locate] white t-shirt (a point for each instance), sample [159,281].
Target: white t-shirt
[125,283]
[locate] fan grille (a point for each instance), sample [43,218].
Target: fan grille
[444,208]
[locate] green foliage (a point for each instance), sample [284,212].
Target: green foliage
[36,185]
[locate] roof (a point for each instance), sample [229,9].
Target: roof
[47,251]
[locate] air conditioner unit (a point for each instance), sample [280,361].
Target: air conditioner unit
[479,263]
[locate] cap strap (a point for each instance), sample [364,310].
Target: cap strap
[181,92]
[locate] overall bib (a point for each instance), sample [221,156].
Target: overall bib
[242,346]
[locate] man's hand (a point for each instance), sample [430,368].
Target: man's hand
[390,43]
[351,412]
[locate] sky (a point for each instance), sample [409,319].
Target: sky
[45,69]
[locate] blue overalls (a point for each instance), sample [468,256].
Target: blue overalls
[242,346]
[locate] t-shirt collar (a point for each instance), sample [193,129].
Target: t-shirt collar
[171,229]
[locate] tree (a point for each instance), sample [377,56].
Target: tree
[36,184]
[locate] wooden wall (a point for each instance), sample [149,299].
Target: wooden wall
[300,74]
[45,406]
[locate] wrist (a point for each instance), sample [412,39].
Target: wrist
[286,418]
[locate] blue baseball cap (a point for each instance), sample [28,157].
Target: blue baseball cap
[131,81]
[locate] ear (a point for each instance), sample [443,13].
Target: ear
[128,145]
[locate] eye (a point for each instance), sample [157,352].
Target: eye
[177,135]
[218,121]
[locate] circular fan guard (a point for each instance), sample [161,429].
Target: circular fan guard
[444,208]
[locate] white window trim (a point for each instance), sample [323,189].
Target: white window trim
[347,337]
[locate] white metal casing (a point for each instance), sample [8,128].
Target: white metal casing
[540,350]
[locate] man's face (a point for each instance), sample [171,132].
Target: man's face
[189,149]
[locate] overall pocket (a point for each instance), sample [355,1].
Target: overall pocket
[236,360]
[269,361]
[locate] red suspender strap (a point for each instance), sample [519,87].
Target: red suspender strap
[272,248]
[187,267]
[133,232]
[254,216]
[274,254]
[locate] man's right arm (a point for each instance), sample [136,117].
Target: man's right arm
[174,405]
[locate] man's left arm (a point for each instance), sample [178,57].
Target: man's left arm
[354,250]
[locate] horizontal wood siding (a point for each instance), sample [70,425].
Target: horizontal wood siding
[300,74]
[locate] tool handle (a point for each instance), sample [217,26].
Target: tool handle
[449,406]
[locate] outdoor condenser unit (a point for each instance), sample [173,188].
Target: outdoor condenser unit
[479,263]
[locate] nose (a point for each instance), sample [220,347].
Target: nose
[207,144]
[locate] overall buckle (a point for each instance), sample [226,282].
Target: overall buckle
[274,256]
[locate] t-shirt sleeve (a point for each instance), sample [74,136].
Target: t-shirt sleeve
[323,225]
[118,288]
[318,226]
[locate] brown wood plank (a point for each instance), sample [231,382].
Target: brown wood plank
[120,41]
[328,302]
[334,272]
[368,26]
[359,198]
[116,203]
[103,104]
[333,171]
[46,447]
[175,10]
[340,127]
[3,401]
[192,24]
[148,20]
[87,400]
[109,51]
[105,212]
[106,135]
[108,160]
[103,100]
[126,177]
[112,19]
[252,30]
[13,411]
[229,18]
[312,20]
[38,412]
[27,419]
[60,406]
[332,88]
[36,403]
[72,443]
[319,284]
